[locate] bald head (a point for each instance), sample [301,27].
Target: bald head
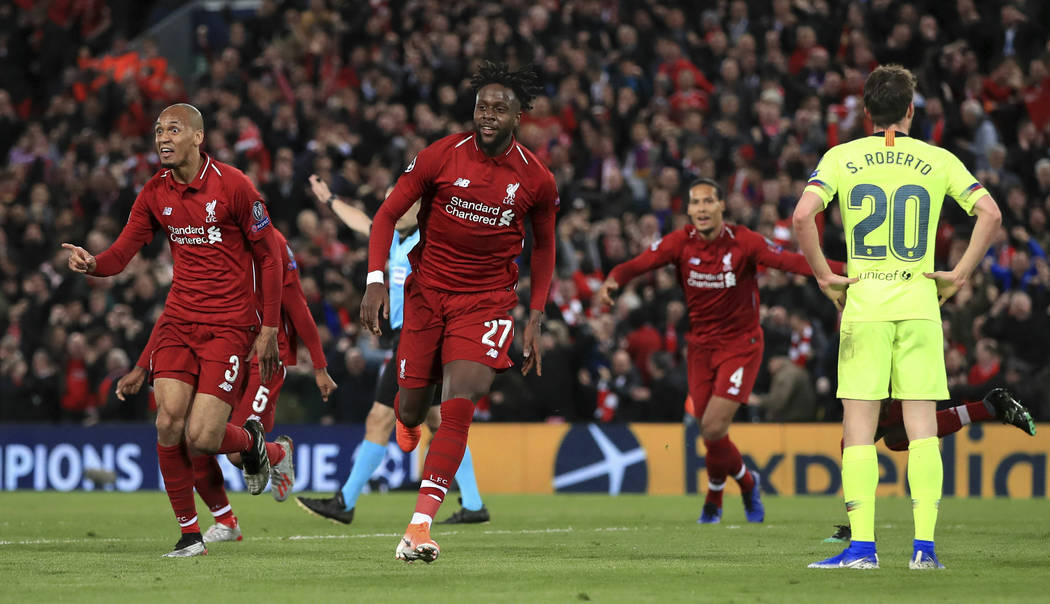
[184,112]
[178,135]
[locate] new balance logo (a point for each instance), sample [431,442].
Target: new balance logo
[694,261]
[226,386]
[492,353]
[167,211]
[462,182]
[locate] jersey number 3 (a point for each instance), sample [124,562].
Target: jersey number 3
[909,215]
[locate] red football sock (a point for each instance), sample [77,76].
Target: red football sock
[952,419]
[207,478]
[275,452]
[724,459]
[177,471]
[445,454]
[235,440]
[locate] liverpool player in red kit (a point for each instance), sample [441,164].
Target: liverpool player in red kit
[216,224]
[476,190]
[258,402]
[717,263]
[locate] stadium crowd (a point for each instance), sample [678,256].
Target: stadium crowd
[641,98]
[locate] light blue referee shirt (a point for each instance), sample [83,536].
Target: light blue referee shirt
[399,267]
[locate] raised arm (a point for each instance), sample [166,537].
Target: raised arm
[353,218]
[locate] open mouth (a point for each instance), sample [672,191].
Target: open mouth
[167,152]
[488,130]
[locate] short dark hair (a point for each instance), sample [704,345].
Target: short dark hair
[719,193]
[887,94]
[525,82]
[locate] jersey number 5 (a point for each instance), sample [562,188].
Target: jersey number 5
[908,202]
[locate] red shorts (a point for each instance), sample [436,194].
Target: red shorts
[441,327]
[728,371]
[259,400]
[211,358]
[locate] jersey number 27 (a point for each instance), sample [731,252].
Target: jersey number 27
[909,215]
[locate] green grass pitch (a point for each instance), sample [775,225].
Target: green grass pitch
[106,547]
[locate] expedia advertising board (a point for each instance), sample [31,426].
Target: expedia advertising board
[794,459]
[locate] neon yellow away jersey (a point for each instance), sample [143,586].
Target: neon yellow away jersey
[891,196]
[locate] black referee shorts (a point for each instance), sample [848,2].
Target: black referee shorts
[387,386]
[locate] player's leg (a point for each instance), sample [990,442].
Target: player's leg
[997,404]
[218,391]
[865,355]
[279,453]
[465,382]
[472,508]
[208,478]
[736,368]
[173,398]
[918,379]
[418,360]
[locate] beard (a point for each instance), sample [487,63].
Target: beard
[498,143]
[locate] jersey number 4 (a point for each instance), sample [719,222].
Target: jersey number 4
[909,215]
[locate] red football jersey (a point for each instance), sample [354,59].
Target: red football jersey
[210,224]
[296,320]
[472,217]
[718,277]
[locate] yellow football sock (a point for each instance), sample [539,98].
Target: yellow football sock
[925,478]
[860,476]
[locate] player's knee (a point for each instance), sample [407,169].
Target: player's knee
[412,416]
[202,440]
[713,428]
[169,428]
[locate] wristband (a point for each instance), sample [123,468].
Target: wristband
[331,200]
[374,277]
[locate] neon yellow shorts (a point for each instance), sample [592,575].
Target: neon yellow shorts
[902,357]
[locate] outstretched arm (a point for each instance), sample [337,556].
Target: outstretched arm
[658,254]
[135,234]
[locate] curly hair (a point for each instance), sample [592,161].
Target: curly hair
[525,82]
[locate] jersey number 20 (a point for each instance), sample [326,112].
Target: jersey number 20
[908,202]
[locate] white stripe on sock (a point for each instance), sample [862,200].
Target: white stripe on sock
[964,415]
[715,487]
[432,485]
[221,511]
[740,474]
[189,522]
[436,498]
[418,518]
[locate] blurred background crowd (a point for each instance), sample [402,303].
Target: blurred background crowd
[640,98]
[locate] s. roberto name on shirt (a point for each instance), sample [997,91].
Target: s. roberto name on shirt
[195,235]
[475,211]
